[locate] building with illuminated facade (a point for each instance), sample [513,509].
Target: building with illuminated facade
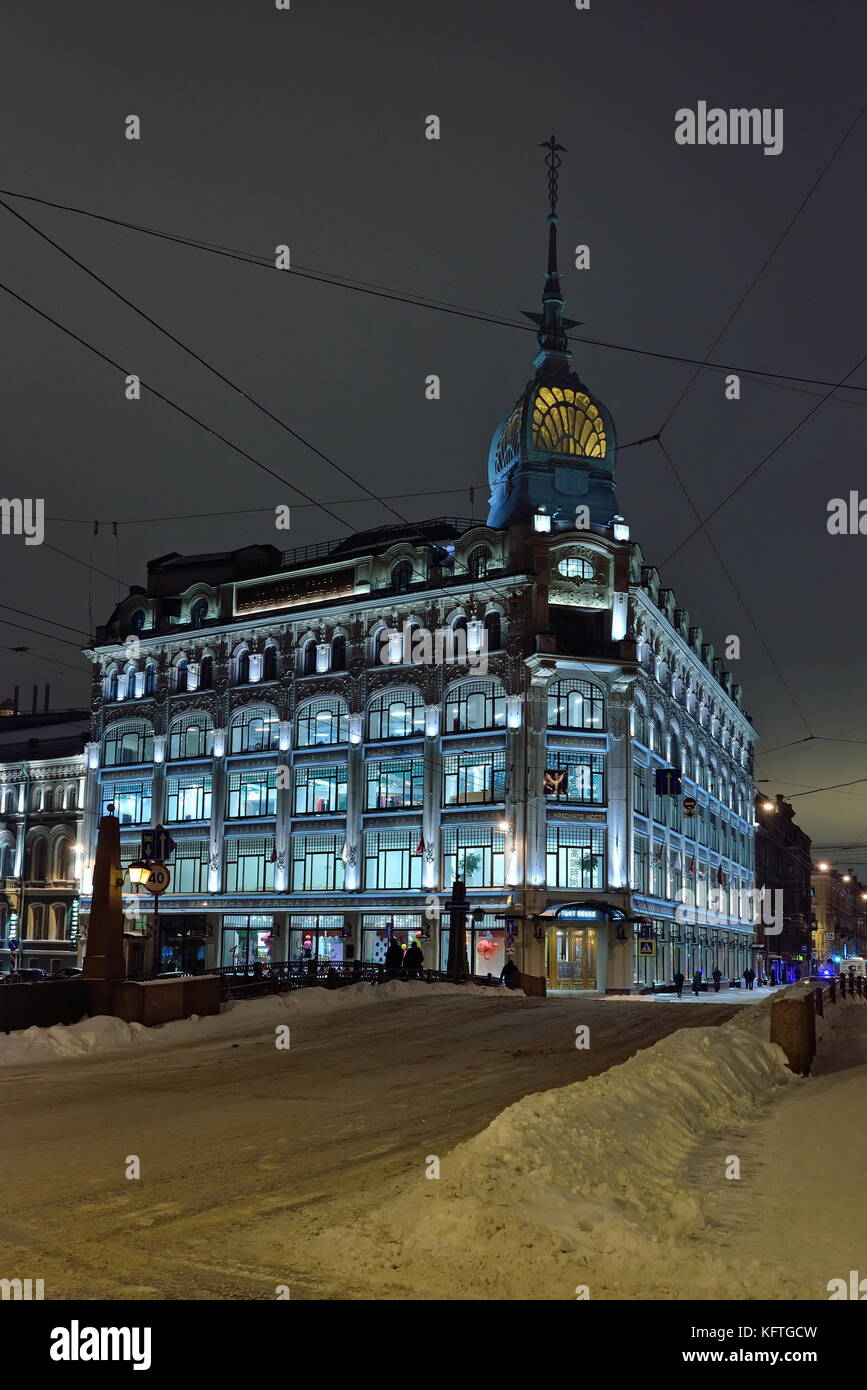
[41,795]
[324,791]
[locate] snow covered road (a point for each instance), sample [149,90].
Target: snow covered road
[247,1151]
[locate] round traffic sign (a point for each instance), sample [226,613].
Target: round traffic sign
[158,879]
[689,804]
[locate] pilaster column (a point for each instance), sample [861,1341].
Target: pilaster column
[218,816]
[432,801]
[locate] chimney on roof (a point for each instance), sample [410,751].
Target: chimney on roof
[47,698]
[15,699]
[35,699]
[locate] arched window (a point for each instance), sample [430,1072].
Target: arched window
[338,653]
[48,799]
[475,705]
[478,562]
[58,922]
[574,568]
[254,730]
[206,673]
[70,802]
[269,664]
[401,576]
[396,715]
[150,679]
[36,922]
[137,620]
[7,858]
[64,860]
[639,723]
[191,736]
[308,657]
[199,612]
[182,671]
[321,722]
[242,668]
[128,743]
[111,686]
[575,704]
[38,861]
[493,628]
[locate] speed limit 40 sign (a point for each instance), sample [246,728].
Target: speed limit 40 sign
[158,879]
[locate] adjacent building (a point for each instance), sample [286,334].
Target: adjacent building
[840,916]
[335,733]
[42,780]
[784,876]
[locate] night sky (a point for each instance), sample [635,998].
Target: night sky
[306,127]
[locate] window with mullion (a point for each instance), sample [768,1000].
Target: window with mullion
[317,864]
[575,856]
[131,800]
[252,794]
[189,867]
[474,778]
[320,790]
[249,864]
[475,854]
[188,798]
[396,782]
[585,776]
[390,861]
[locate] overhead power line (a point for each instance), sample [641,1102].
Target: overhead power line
[419,301]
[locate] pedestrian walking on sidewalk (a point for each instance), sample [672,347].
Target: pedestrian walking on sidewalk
[717,980]
[678,983]
[696,983]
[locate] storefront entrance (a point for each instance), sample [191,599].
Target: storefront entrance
[572,958]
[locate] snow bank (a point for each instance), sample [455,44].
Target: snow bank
[582,1185]
[106,1034]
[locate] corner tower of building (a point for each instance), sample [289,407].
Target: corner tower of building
[555,451]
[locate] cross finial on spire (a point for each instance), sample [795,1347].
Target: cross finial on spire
[553,161]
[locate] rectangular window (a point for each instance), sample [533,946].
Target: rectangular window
[394,783]
[657,869]
[317,864]
[320,790]
[474,778]
[640,791]
[188,798]
[250,864]
[131,800]
[252,794]
[585,776]
[640,864]
[390,861]
[474,853]
[189,867]
[576,856]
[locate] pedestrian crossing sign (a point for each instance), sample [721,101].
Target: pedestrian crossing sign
[647,946]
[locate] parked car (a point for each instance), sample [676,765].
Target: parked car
[21,977]
[66,972]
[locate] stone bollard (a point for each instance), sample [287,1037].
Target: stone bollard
[832,991]
[842,986]
[819,997]
[793,1028]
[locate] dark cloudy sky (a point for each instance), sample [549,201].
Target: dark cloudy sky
[306,127]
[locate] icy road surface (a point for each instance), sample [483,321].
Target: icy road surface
[246,1150]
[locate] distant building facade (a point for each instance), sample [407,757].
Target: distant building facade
[326,771]
[41,796]
[783,868]
[840,921]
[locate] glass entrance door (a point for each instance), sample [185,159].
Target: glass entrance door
[572,958]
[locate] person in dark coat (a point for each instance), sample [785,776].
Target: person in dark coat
[678,983]
[394,957]
[717,979]
[749,977]
[413,960]
[773,976]
[510,974]
[696,983]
